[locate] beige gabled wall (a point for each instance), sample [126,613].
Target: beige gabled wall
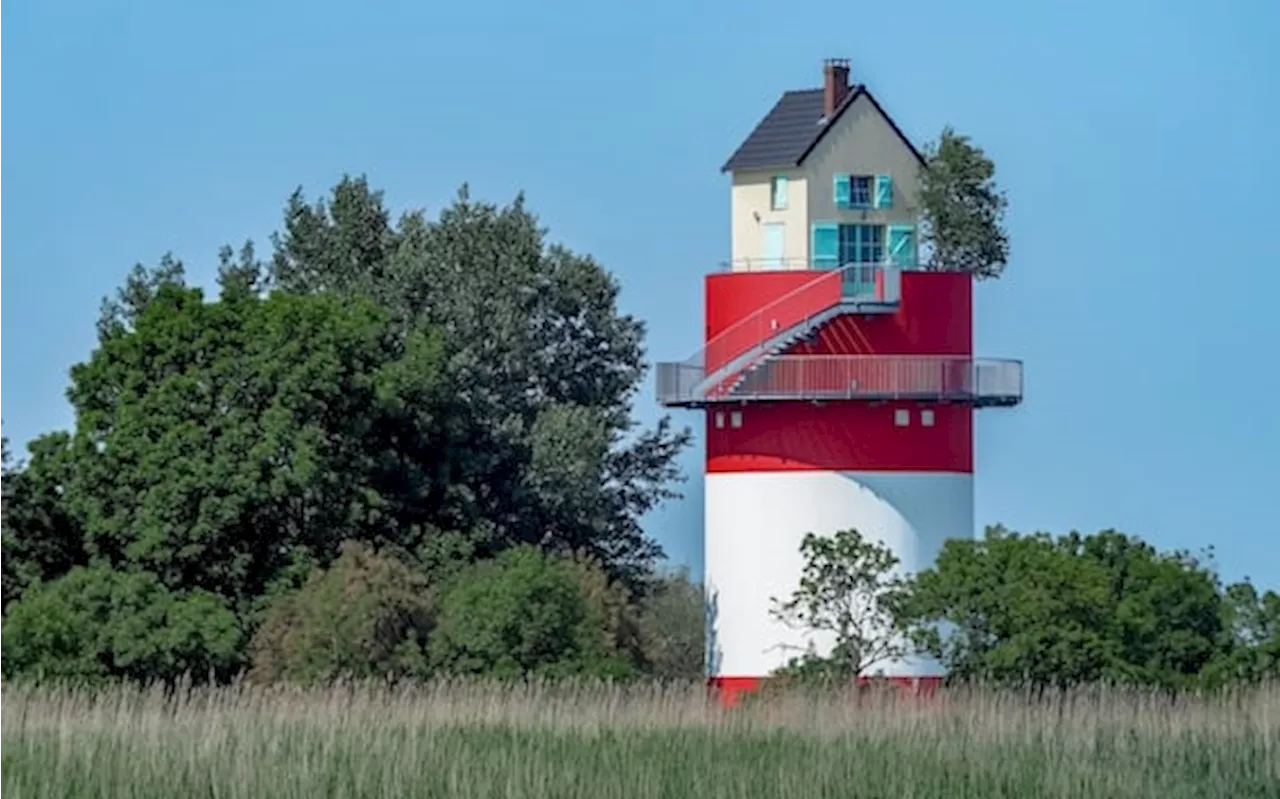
[750,210]
[862,143]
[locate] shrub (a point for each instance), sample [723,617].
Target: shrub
[97,623]
[368,615]
[529,613]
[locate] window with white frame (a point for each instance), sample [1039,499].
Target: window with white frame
[902,417]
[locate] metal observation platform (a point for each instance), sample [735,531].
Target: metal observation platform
[748,362]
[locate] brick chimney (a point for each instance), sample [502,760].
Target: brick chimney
[835,72]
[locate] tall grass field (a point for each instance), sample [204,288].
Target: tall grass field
[452,739]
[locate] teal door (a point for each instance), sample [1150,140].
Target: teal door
[775,245]
[861,251]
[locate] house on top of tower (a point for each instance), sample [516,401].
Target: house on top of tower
[826,179]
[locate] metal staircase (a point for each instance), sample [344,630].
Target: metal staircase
[744,346]
[780,344]
[741,369]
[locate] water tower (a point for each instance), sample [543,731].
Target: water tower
[838,379]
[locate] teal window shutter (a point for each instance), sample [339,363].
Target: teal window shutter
[826,245]
[884,191]
[779,193]
[843,191]
[902,246]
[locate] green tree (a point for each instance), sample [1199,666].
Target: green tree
[41,539]
[848,589]
[367,615]
[120,313]
[1250,649]
[441,391]
[226,445]
[526,612]
[613,611]
[673,627]
[10,578]
[1164,610]
[7,465]
[1013,608]
[962,209]
[541,366]
[97,623]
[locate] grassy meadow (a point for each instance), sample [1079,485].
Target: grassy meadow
[457,739]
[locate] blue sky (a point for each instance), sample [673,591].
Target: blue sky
[1137,141]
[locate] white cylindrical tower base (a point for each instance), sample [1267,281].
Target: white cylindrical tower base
[755,522]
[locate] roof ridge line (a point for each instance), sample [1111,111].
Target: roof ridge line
[794,126]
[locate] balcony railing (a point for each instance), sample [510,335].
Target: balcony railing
[766,265]
[980,382]
[792,265]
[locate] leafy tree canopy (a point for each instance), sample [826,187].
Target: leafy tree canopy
[962,223]
[673,622]
[97,623]
[1250,647]
[1164,609]
[41,539]
[367,615]
[528,612]
[849,591]
[1029,608]
[440,391]
[541,366]
[221,445]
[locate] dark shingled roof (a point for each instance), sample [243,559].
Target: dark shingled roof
[790,131]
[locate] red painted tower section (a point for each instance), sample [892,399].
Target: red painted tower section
[934,319]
